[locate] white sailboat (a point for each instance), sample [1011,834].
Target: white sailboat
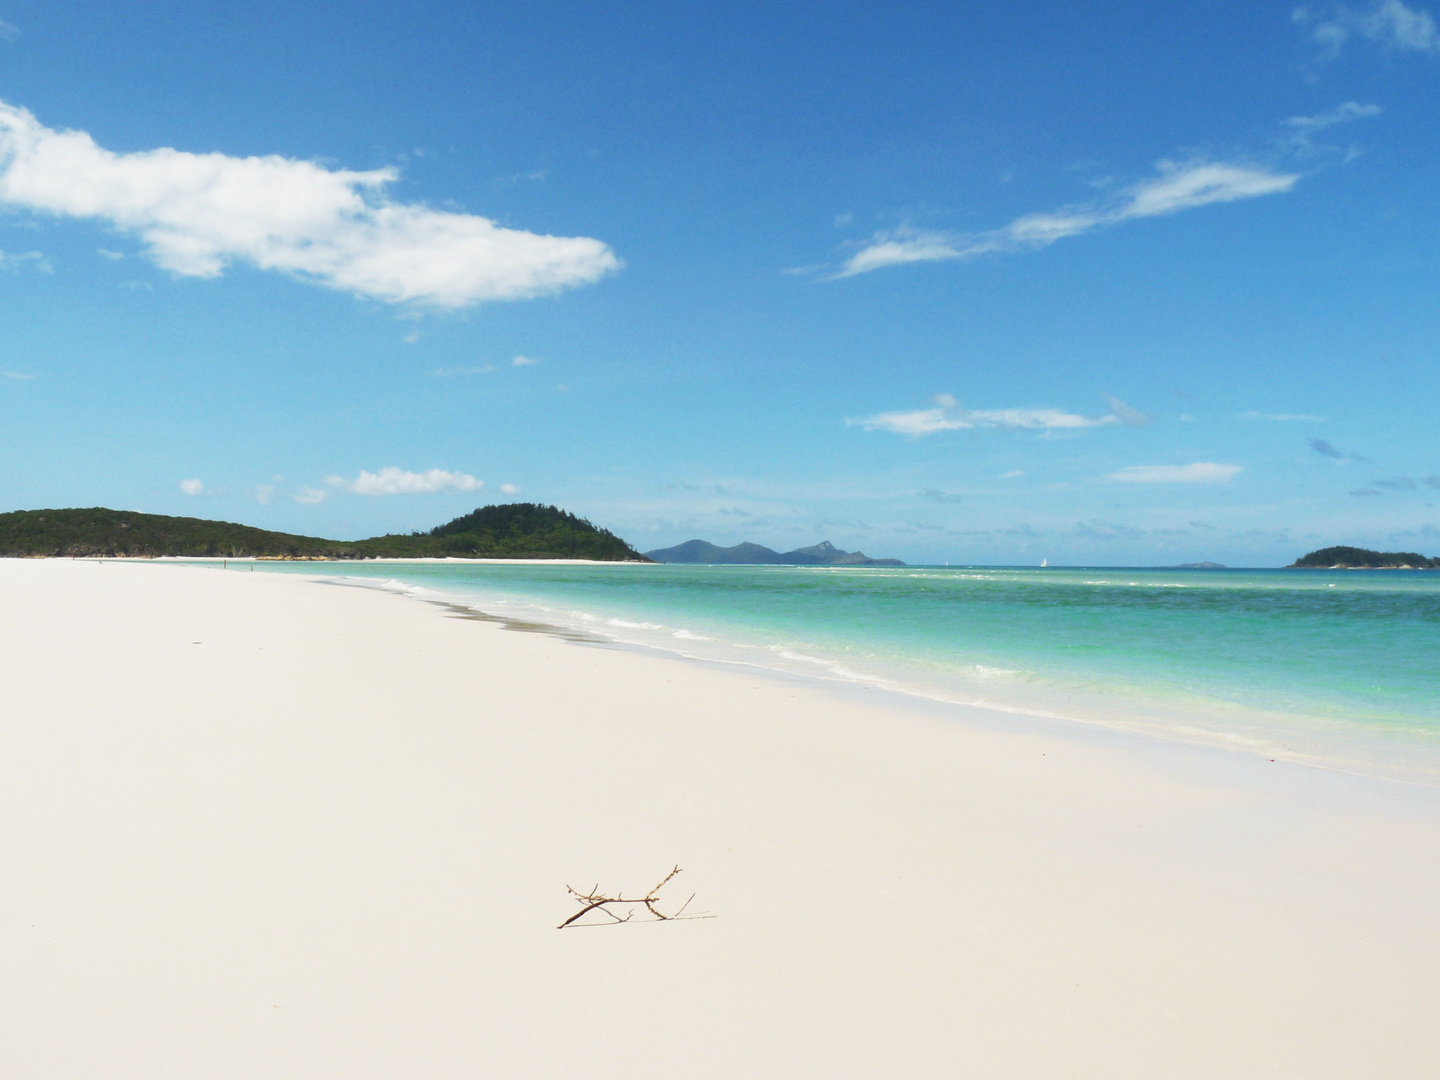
[1044,563]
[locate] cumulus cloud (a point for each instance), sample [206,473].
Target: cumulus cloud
[396,481]
[1177,186]
[510,489]
[192,487]
[1200,472]
[15,262]
[198,213]
[948,415]
[1389,24]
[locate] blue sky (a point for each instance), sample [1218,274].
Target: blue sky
[1110,283]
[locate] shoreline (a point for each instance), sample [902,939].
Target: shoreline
[326,832]
[1411,756]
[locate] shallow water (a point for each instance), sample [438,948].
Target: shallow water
[1336,668]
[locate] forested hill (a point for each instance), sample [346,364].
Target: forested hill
[509,530]
[1353,558]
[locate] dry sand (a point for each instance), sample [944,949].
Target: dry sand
[256,826]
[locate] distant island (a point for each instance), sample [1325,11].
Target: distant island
[1353,558]
[821,554]
[504,531]
[1200,566]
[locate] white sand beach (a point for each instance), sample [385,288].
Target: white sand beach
[254,825]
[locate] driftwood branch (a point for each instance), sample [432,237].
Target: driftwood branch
[595,900]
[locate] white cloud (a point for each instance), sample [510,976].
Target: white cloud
[523,361]
[16,375]
[263,493]
[510,489]
[309,496]
[1389,23]
[8,32]
[1342,113]
[197,213]
[25,260]
[192,487]
[396,481]
[1282,417]
[1199,473]
[1012,474]
[1303,128]
[949,415]
[106,253]
[1177,186]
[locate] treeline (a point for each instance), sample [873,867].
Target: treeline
[509,530]
[1353,558]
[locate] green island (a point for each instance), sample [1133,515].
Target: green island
[1353,558]
[503,531]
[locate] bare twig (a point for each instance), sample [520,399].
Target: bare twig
[594,900]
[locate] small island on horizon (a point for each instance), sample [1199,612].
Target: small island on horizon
[705,553]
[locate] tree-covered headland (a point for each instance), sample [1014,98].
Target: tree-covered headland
[1353,558]
[507,530]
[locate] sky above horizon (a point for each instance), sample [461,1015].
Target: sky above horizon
[1126,284]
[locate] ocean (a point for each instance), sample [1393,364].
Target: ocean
[1339,669]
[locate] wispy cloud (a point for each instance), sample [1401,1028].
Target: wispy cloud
[106,253]
[263,492]
[1177,186]
[1303,128]
[948,415]
[523,361]
[397,481]
[1282,418]
[1326,449]
[941,496]
[20,375]
[14,263]
[8,31]
[1201,472]
[1388,23]
[192,486]
[197,213]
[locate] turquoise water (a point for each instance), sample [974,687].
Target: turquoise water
[1335,668]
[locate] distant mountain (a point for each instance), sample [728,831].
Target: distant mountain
[1199,566]
[1353,558]
[508,530]
[821,554]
